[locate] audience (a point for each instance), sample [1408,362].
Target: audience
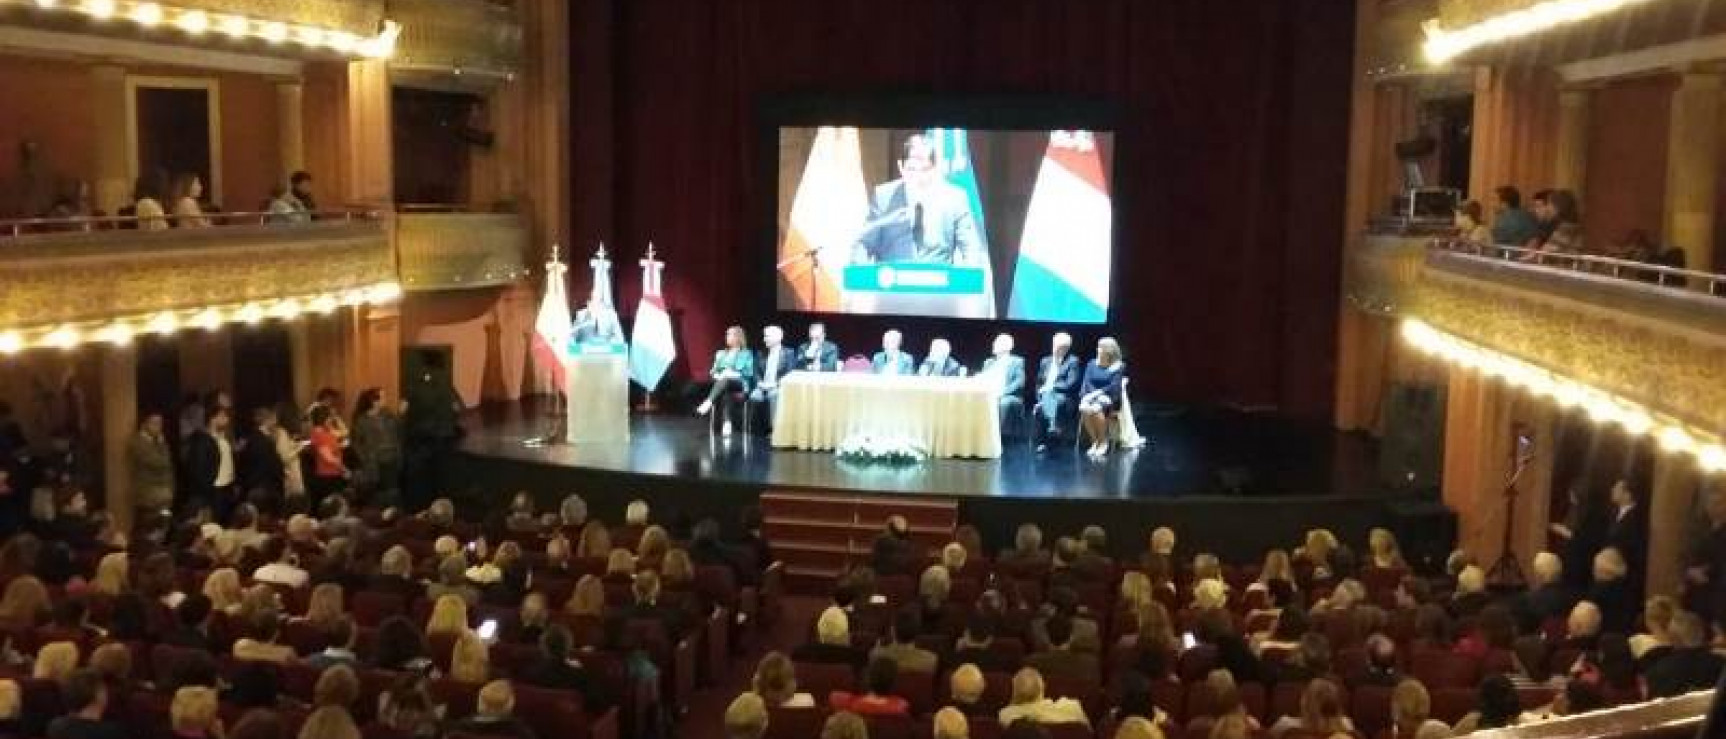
[1028,702]
[878,698]
[494,714]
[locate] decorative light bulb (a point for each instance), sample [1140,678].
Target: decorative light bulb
[147,14]
[99,9]
[11,342]
[194,22]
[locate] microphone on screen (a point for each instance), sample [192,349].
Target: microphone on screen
[917,224]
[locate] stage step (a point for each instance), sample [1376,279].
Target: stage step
[819,536]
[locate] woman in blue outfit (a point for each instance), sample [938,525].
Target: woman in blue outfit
[1100,394]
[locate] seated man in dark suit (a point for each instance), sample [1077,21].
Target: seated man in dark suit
[494,714]
[771,367]
[894,553]
[832,642]
[975,646]
[1009,369]
[1059,660]
[1548,597]
[891,360]
[940,362]
[555,669]
[1058,377]
[646,608]
[818,354]
[1691,665]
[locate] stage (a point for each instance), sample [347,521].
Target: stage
[1206,470]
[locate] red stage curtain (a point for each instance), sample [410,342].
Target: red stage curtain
[1230,172]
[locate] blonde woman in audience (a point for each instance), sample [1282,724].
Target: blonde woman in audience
[953,557]
[337,685]
[933,589]
[444,547]
[652,547]
[1156,630]
[677,570]
[588,598]
[260,645]
[222,587]
[1383,550]
[1321,712]
[557,554]
[1161,544]
[55,661]
[470,662]
[113,661]
[448,617]
[595,541]
[1276,567]
[1209,594]
[776,681]
[1029,702]
[1225,698]
[1135,588]
[24,606]
[1657,616]
[1411,710]
[746,717]
[188,189]
[1344,596]
[113,575]
[192,714]
[951,724]
[324,607]
[620,565]
[1138,727]
[1316,551]
[845,725]
[329,722]
[148,192]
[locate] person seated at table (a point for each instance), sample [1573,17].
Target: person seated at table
[890,360]
[940,362]
[1008,369]
[775,363]
[818,354]
[1100,395]
[1058,377]
[733,374]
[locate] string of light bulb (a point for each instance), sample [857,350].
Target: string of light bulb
[197,22]
[122,331]
[1444,44]
[1601,406]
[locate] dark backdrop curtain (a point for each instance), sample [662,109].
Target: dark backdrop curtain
[1229,175]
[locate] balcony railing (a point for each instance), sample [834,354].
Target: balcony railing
[22,227]
[80,274]
[444,248]
[1658,274]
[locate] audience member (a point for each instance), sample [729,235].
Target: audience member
[902,647]
[1689,664]
[746,717]
[1029,702]
[494,714]
[85,695]
[877,697]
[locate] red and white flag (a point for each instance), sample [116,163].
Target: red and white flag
[651,347]
[551,328]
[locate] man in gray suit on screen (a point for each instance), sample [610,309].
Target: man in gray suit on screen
[920,217]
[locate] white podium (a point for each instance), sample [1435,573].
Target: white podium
[598,393]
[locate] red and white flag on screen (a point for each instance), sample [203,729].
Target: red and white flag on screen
[551,328]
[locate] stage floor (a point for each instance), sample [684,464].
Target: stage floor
[1190,452]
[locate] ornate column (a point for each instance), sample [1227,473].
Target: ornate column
[370,178]
[111,181]
[290,113]
[1673,519]
[119,420]
[1692,163]
[1570,158]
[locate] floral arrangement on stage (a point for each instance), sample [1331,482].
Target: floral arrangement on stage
[894,451]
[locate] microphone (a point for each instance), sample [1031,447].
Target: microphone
[917,224]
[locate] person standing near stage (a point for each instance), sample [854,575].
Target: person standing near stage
[431,427]
[210,470]
[733,374]
[818,354]
[776,362]
[890,360]
[1008,369]
[1057,378]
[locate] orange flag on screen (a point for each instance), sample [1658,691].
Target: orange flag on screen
[829,209]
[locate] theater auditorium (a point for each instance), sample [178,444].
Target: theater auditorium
[862,369]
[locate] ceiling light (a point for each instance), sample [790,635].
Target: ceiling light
[194,22]
[64,337]
[99,9]
[147,14]
[11,342]
[235,26]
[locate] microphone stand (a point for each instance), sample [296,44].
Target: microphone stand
[812,256]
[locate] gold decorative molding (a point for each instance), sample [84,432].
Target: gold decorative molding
[455,251]
[478,40]
[57,279]
[1459,13]
[1579,326]
[359,17]
[1382,270]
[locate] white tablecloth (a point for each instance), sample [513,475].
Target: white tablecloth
[950,416]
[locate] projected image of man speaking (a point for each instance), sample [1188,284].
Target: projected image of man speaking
[920,218]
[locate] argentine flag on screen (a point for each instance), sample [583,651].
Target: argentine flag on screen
[1063,269]
[953,151]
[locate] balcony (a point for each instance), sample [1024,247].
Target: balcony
[458,251]
[462,44]
[300,29]
[1649,335]
[64,284]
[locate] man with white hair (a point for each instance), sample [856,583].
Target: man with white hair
[832,643]
[940,362]
[776,362]
[1058,378]
[1612,592]
[1547,597]
[1008,369]
[1471,595]
[891,360]
[1582,626]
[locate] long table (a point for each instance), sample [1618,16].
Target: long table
[950,416]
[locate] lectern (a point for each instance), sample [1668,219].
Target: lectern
[598,392]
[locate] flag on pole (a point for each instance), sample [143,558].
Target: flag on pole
[1063,266]
[650,346]
[551,328]
[953,151]
[828,211]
